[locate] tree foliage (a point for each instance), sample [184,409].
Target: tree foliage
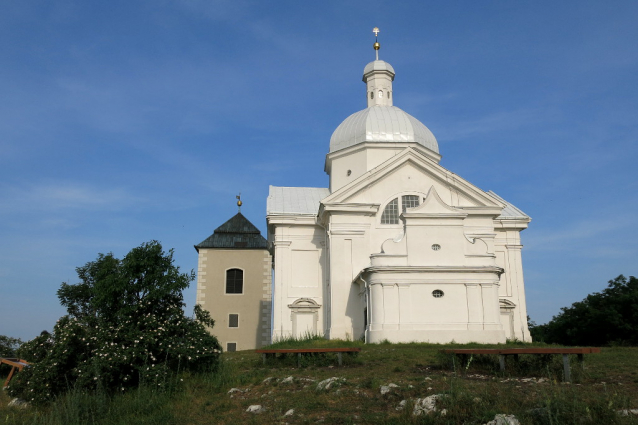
[602,318]
[125,325]
[8,346]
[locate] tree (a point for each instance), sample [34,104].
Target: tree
[125,326]
[8,346]
[602,318]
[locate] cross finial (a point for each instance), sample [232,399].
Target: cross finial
[376,31]
[239,203]
[376,44]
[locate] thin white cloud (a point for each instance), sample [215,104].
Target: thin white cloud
[575,235]
[54,196]
[498,122]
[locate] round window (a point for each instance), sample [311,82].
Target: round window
[436,247]
[437,293]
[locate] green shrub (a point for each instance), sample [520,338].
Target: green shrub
[125,326]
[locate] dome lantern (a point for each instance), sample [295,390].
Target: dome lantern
[378,76]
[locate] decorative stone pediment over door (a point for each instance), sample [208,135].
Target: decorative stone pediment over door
[304,314]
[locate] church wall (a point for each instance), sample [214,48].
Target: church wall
[253,306]
[403,308]
[300,264]
[377,156]
[512,287]
[349,254]
[356,162]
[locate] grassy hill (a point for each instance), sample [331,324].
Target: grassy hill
[532,390]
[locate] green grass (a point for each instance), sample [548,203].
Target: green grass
[473,395]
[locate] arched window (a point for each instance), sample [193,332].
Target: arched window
[410,201]
[391,212]
[234,281]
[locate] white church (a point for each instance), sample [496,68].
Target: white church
[397,248]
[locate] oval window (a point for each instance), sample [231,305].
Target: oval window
[437,293]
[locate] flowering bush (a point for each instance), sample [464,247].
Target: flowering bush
[125,325]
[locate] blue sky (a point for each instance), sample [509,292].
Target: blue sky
[122,122]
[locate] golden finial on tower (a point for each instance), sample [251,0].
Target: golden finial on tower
[239,203]
[376,44]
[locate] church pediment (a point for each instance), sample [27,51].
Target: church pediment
[423,172]
[433,205]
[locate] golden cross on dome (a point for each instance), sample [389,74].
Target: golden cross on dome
[376,44]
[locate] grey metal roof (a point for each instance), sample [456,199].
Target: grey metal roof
[236,233]
[295,200]
[380,123]
[377,66]
[510,211]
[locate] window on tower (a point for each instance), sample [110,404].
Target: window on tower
[234,281]
[233,320]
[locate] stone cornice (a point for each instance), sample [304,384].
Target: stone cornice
[429,269]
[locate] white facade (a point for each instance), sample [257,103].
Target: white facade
[398,247]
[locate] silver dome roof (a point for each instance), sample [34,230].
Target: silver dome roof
[381,124]
[378,65]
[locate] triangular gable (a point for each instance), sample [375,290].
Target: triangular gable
[409,155]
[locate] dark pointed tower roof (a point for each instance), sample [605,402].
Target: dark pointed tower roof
[236,233]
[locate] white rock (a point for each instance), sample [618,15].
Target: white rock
[18,403]
[401,405]
[628,412]
[234,390]
[425,405]
[267,380]
[290,412]
[387,388]
[427,378]
[327,383]
[287,380]
[256,408]
[504,420]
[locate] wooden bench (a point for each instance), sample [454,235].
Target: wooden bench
[301,351]
[18,364]
[503,352]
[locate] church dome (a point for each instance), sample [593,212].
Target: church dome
[378,65]
[381,123]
